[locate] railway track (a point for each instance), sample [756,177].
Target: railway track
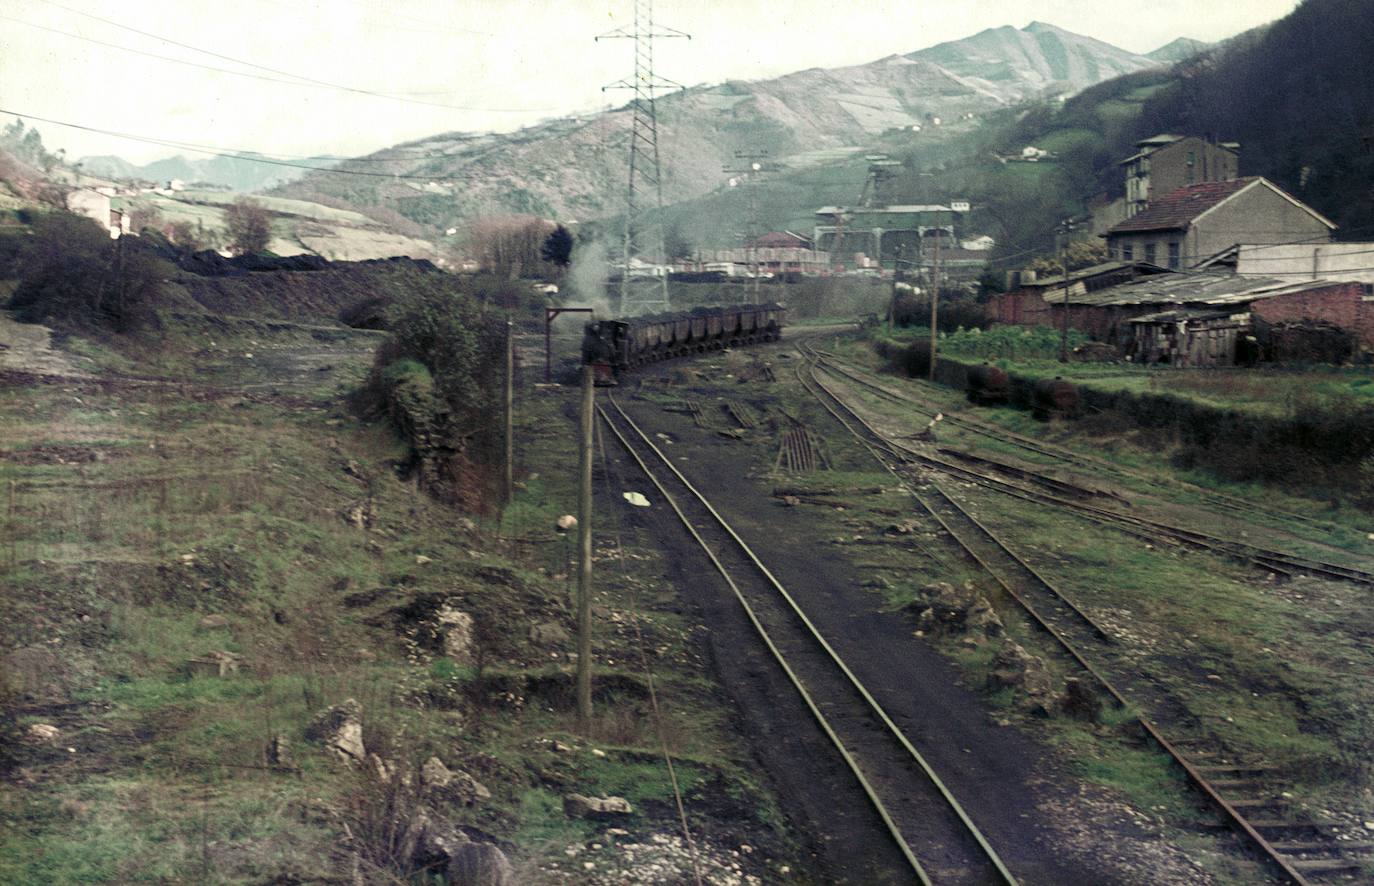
[1058,453]
[1294,847]
[935,835]
[1054,492]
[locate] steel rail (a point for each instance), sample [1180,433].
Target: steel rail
[1030,570]
[1061,453]
[1195,777]
[999,866]
[1154,530]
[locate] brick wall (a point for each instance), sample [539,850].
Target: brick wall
[1022,307]
[1342,304]
[1104,323]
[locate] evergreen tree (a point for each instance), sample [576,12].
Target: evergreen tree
[558,247]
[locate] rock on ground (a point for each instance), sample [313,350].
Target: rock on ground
[456,786]
[1015,668]
[549,633]
[944,609]
[479,864]
[601,808]
[341,729]
[454,628]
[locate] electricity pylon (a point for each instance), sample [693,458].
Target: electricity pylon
[643,274]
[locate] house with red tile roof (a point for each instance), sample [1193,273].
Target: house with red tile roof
[782,240]
[1192,223]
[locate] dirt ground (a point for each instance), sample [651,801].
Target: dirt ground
[28,347]
[1049,825]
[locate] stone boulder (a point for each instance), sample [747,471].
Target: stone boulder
[1015,668]
[596,808]
[479,864]
[941,608]
[340,728]
[42,733]
[215,664]
[454,629]
[438,780]
[549,633]
[1080,702]
[360,515]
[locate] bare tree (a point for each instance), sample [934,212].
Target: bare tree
[249,225]
[509,246]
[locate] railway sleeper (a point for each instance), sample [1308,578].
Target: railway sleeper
[1324,846]
[1326,865]
[1232,767]
[1238,784]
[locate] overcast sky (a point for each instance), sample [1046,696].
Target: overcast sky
[491,64]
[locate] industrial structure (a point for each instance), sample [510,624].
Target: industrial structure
[879,235]
[643,293]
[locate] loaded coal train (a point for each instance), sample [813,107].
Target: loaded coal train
[611,347]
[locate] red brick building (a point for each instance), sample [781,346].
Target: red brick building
[1340,304]
[1112,313]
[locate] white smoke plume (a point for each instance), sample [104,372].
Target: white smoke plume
[587,278]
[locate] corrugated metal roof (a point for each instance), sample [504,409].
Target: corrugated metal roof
[1184,314]
[1164,138]
[1216,289]
[1080,274]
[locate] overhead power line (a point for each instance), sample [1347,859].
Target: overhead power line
[299,80]
[219,152]
[429,26]
[256,156]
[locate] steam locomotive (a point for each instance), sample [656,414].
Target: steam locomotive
[615,346]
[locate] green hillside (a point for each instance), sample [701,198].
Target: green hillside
[1291,93]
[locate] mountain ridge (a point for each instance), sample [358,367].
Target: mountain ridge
[1178,50]
[239,172]
[573,168]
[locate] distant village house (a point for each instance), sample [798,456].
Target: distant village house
[1195,222]
[1166,163]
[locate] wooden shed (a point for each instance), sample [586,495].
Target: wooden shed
[1189,337]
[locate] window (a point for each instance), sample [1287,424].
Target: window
[1150,253]
[1173,256]
[1127,252]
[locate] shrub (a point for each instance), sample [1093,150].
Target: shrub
[75,277]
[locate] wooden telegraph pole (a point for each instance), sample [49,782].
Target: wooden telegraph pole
[1063,235]
[934,304]
[584,547]
[896,278]
[509,478]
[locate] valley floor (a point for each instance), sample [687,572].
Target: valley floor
[211,565]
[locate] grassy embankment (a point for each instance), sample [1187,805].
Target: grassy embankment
[1266,667]
[149,525]
[1296,438]
[1266,391]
